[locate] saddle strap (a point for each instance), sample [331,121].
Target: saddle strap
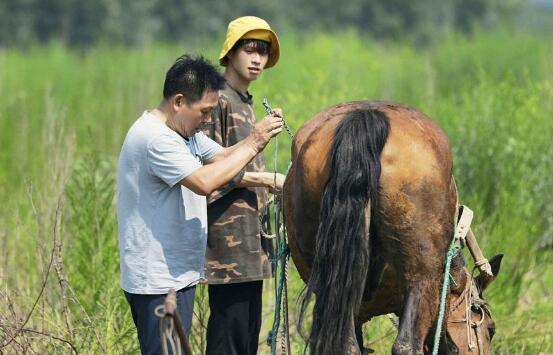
[464,236]
[463,225]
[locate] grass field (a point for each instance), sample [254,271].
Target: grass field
[64,114]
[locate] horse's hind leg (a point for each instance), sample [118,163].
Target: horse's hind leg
[422,261]
[419,312]
[417,230]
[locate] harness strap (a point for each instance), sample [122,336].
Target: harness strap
[477,328]
[461,298]
[466,237]
[463,226]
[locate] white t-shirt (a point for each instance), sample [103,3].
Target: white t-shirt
[162,224]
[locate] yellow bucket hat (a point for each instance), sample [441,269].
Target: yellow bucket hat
[250,27]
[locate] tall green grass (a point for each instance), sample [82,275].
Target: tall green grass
[64,114]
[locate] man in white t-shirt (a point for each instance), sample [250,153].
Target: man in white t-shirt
[166,168]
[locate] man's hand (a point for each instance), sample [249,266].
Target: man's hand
[276,187]
[278,112]
[263,131]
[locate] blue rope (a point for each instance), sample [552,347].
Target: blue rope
[283,251]
[281,257]
[273,333]
[452,251]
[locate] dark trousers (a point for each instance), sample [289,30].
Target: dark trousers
[147,323]
[235,318]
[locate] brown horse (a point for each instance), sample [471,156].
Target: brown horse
[370,204]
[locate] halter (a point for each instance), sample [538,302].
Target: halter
[473,302]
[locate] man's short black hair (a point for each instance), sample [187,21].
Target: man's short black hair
[258,45]
[192,77]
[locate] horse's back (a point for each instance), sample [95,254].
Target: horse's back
[416,146]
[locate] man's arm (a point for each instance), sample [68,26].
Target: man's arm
[227,163]
[262,179]
[225,152]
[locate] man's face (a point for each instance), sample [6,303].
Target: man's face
[247,62]
[189,118]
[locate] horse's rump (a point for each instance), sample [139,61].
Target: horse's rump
[336,179]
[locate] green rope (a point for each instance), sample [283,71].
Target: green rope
[281,258]
[283,252]
[273,333]
[453,249]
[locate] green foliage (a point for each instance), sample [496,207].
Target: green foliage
[91,225]
[64,115]
[138,22]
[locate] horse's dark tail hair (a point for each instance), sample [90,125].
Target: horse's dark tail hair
[341,262]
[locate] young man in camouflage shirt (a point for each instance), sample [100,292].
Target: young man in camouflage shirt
[237,258]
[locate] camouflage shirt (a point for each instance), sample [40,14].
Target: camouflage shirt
[236,251]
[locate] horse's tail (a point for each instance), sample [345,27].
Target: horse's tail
[341,262]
